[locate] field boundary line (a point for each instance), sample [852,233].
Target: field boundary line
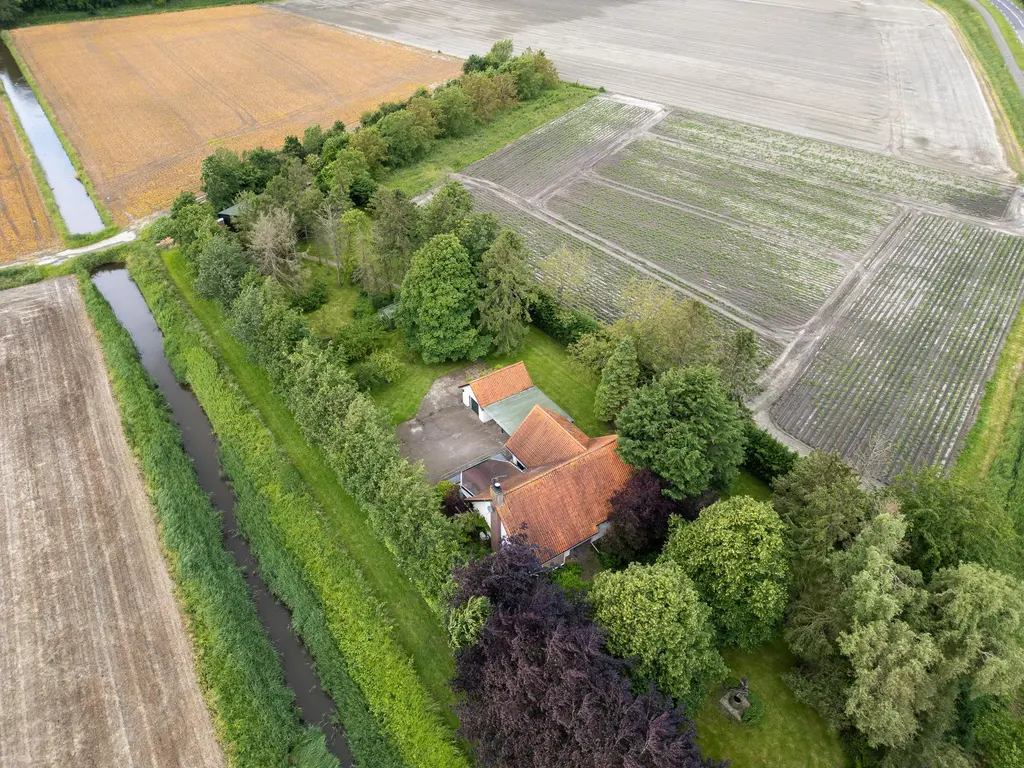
[603,152]
[639,263]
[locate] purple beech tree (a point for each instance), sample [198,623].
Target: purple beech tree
[539,689]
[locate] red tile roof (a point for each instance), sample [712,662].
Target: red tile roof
[499,384]
[546,437]
[563,504]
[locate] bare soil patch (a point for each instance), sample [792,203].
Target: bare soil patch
[24,224]
[95,664]
[883,75]
[145,99]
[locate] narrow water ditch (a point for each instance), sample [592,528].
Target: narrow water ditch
[132,312]
[73,201]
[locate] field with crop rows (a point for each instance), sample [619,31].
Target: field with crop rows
[96,668]
[791,209]
[783,286]
[828,164]
[24,224]
[607,276]
[145,99]
[900,377]
[549,155]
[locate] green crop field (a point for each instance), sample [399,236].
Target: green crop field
[783,286]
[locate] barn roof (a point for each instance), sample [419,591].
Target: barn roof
[499,384]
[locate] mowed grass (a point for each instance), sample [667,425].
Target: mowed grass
[416,627]
[790,735]
[453,155]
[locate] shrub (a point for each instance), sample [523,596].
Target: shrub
[754,713]
[360,339]
[564,325]
[766,457]
[221,266]
[379,369]
[314,297]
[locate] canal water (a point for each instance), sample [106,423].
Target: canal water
[133,313]
[75,205]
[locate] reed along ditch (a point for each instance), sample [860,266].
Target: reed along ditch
[132,312]
[73,201]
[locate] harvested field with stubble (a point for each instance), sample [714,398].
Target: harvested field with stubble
[145,99]
[95,663]
[24,223]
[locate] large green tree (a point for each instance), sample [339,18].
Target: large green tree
[395,232]
[952,522]
[654,613]
[438,301]
[735,556]
[686,428]
[221,265]
[445,210]
[505,292]
[619,381]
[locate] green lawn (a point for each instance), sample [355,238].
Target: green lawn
[790,735]
[416,626]
[455,154]
[749,485]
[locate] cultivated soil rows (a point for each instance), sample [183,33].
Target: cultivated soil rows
[24,223]
[95,665]
[145,99]
[883,75]
[850,265]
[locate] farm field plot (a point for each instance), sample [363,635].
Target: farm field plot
[898,381]
[96,668]
[24,223]
[145,99]
[810,215]
[546,157]
[607,276]
[883,76]
[781,285]
[825,164]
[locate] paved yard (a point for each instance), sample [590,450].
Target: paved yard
[445,434]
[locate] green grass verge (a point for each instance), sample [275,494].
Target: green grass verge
[343,525]
[790,735]
[40,18]
[453,155]
[72,241]
[973,29]
[254,714]
[1007,31]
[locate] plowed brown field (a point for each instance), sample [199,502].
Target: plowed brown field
[144,99]
[24,224]
[95,665]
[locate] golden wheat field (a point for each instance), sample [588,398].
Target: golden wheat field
[24,224]
[145,99]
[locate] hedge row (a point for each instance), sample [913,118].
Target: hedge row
[353,617]
[355,435]
[254,714]
[766,457]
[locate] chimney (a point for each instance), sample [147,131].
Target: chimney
[499,497]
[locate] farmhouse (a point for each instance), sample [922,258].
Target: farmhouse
[552,480]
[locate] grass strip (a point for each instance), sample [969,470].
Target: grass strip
[1008,32]
[415,625]
[355,616]
[73,241]
[451,155]
[253,710]
[974,30]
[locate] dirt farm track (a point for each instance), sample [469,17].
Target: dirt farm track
[145,99]
[95,666]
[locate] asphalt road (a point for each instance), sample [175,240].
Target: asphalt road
[1013,13]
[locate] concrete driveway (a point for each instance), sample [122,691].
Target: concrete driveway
[445,434]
